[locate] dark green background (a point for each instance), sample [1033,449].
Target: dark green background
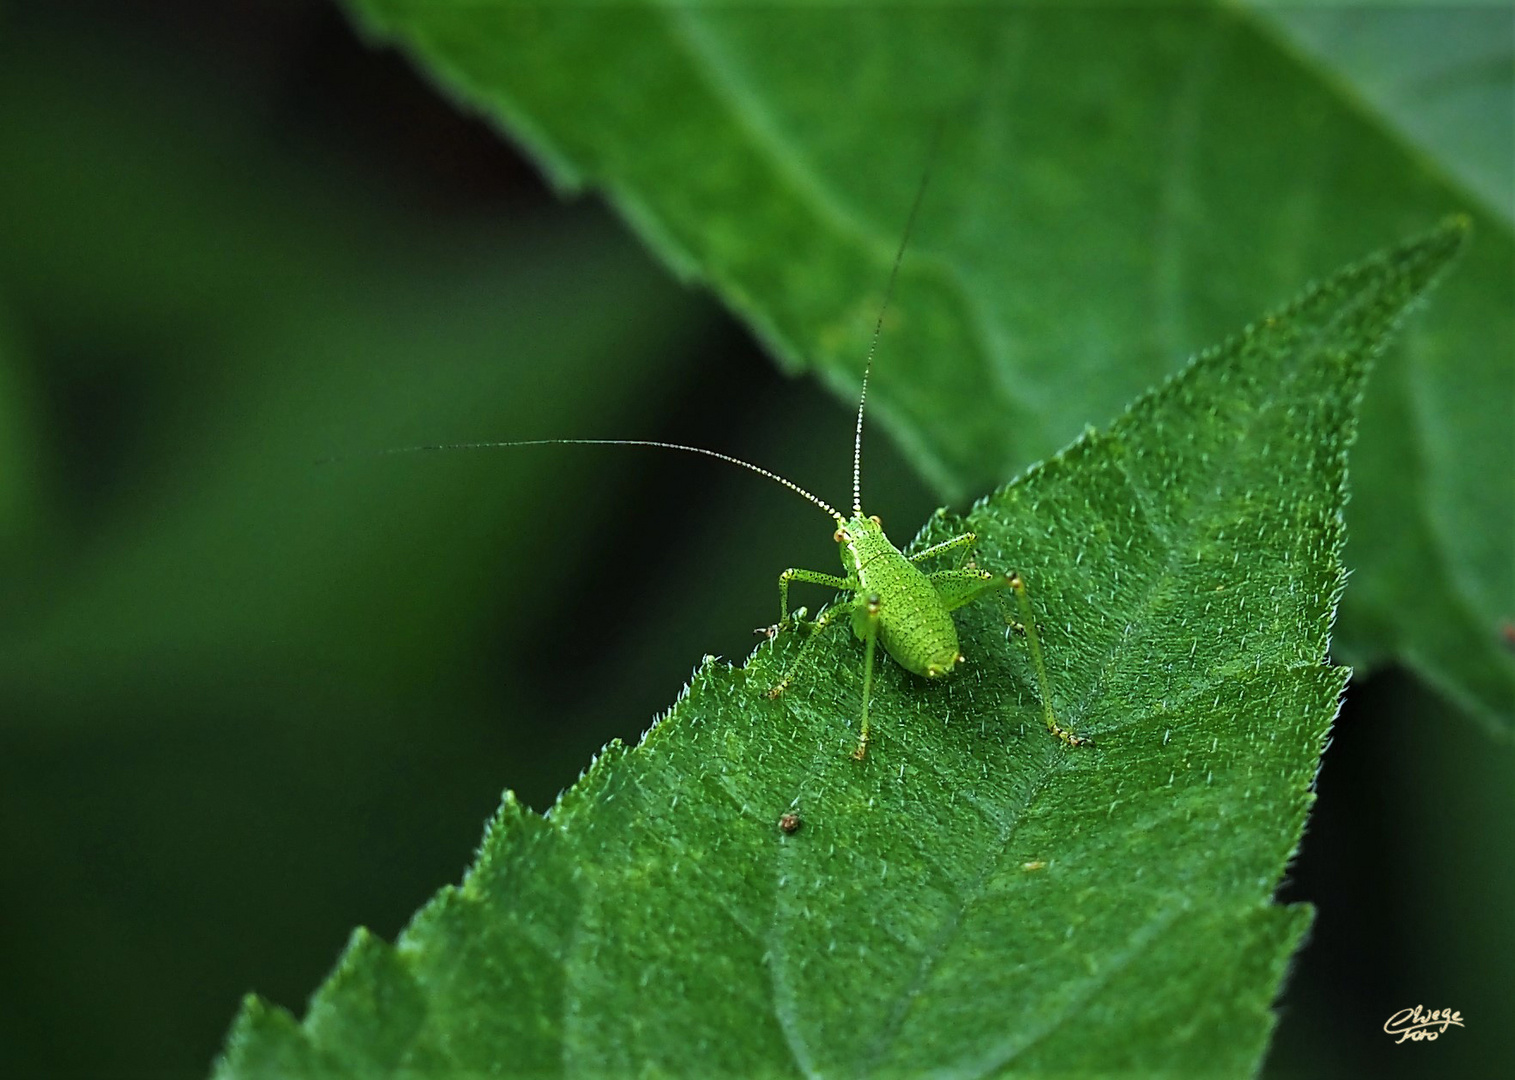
[248,701]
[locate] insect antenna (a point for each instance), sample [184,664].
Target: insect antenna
[775,477]
[878,326]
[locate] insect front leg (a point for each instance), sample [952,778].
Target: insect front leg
[961,586]
[814,577]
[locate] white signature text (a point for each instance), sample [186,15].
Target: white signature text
[1417,1024]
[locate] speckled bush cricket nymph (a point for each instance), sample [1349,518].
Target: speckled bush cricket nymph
[893,603]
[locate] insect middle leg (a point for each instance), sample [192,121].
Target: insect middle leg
[827,619]
[961,586]
[865,620]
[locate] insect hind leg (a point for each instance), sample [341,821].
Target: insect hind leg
[1017,584]
[959,587]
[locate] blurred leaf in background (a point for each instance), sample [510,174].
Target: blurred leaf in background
[1440,75]
[247,702]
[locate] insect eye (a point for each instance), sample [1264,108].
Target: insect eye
[840,536]
[875,519]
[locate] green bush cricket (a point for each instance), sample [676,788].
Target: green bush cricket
[894,603]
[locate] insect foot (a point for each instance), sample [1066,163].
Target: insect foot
[1068,736]
[795,618]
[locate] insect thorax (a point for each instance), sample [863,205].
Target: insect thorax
[863,542]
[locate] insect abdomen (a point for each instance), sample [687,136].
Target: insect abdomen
[914,628]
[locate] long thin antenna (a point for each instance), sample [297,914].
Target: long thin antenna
[878,327]
[791,485]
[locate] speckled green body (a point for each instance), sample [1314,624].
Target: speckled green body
[914,625]
[906,610]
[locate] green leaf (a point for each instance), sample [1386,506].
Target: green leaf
[1115,189]
[975,896]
